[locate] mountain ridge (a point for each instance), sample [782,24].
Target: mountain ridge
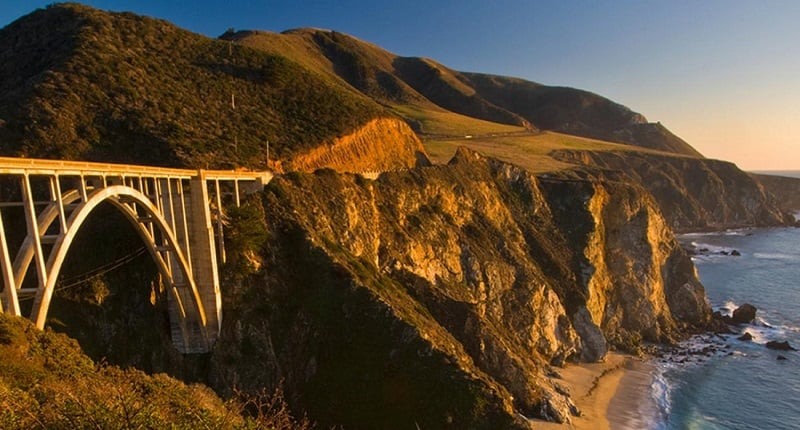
[392,79]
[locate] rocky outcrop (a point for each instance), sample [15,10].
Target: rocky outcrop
[785,189]
[744,314]
[381,144]
[372,294]
[780,345]
[693,193]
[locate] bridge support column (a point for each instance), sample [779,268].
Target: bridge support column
[9,302]
[203,254]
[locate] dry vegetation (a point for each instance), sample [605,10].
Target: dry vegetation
[530,151]
[440,122]
[46,382]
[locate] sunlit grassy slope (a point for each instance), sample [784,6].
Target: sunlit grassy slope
[530,151]
[446,123]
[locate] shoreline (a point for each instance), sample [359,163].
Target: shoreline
[609,395]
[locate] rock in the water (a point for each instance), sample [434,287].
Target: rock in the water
[780,346]
[744,314]
[736,253]
[780,357]
[746,337]
[719,323]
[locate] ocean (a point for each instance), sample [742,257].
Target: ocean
[742,385]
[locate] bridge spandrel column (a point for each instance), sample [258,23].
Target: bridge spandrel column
[203,256]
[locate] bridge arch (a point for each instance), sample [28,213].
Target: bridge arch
[161,242]
[177,212]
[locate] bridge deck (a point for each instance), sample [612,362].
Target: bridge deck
[39,166]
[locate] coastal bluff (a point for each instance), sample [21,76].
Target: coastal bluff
[444,295]
[432,296]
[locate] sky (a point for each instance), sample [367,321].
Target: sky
[722,75]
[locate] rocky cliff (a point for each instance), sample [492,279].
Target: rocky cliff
[380,145]
[693,193]
[441,296]
[785,189]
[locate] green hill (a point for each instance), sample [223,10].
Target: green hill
[79,83]
[427,88]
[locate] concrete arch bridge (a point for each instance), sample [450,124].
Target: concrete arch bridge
[176,212]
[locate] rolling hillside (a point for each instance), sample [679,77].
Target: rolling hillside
[120,87]
[125,88]
[420,88]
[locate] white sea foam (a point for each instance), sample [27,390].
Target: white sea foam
[661,392]
[707,251]
[698,234]
[776,256]
[761,329]
[692,352]
[727,308]
[737,232]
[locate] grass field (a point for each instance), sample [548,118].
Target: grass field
[530,151]
[446,123]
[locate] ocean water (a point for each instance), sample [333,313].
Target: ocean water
[742,385]
[789,173]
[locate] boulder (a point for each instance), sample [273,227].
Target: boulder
[747,337]
[593,343]
[744,314]
[719,323]
[736,253]
[780,346]
[780,358]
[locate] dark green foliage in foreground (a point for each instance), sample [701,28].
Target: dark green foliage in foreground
[46,382]
[78,83]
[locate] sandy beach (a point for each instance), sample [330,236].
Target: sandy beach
[611,395]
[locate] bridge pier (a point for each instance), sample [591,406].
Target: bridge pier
[204,253]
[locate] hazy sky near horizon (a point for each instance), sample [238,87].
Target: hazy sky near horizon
[723,75]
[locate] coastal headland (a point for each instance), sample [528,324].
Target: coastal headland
[438,249]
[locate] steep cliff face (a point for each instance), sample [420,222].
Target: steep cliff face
[692,193]
[381,144]
[785,189]
[372,294]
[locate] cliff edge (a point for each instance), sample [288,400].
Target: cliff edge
[380,145]
[441,296]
